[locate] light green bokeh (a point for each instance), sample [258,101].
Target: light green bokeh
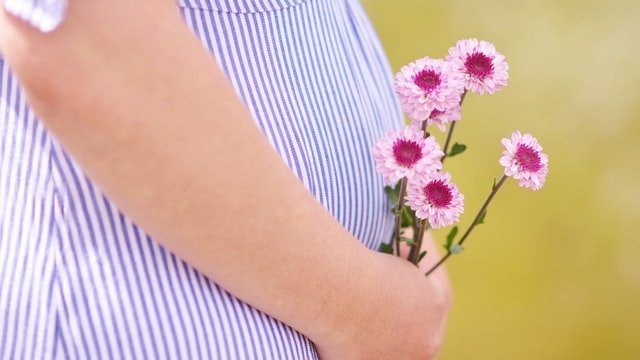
[553,274]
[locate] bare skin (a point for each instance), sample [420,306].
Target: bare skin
[157,141]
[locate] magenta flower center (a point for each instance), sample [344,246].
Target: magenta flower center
[435,113]
[479,65]
[528,158]
[427,80]
[438,193]
[407,152]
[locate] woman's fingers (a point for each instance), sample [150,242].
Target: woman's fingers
[439,278]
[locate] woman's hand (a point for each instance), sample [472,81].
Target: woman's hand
[412,315]
[434,254]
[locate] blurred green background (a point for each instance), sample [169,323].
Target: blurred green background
[553,274]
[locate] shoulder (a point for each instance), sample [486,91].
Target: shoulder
[45,15]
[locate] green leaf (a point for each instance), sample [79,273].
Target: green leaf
[457,149]
[393,193]
[408,241]
[482,217]
[407,217]
[494,184]
[422,255]
[386,248]
[450,237]
[456,249]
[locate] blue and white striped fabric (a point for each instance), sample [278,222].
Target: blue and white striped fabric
[45,15]
[79,280]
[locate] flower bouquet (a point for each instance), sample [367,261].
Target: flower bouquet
[432,92]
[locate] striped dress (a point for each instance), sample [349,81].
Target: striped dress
[79,280]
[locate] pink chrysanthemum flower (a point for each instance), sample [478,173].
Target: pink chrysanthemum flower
[427,84]
[524,160]
[405,152]
[436,199]
[442,118]
[484,69]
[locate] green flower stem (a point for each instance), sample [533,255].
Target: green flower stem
[450,133]
[414,255]
[446,143]
[424,129]
[399,210]
[418,224]
[473,224]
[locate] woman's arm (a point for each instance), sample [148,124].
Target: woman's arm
[150,117]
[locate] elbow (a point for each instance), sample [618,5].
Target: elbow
[37,77]
[42,80]
[32,57]
[42,87]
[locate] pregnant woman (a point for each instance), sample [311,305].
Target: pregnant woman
[171,196]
